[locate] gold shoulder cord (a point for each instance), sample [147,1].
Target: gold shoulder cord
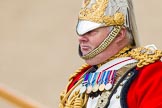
[77,100]
[145,56]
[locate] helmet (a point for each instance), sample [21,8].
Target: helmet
[100,13]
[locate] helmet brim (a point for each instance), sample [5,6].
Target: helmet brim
[86,26]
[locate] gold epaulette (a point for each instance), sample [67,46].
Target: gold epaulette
[79,99]
[145,56]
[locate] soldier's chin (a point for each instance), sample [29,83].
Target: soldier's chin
[85,53]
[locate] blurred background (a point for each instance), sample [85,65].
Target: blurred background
[38,44]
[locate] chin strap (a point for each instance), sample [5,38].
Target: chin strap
[115,31]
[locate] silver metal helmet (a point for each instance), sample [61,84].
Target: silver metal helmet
[100,13]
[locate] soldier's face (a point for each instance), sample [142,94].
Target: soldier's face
[92,39]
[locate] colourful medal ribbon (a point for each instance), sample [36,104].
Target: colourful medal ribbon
[89,87]
[89,79]
[110,80]
[110,77]
[103,77]
[95,82]
[98,79]
[113,76]
[102,85]
[94,79]
[85,81]
[107,77]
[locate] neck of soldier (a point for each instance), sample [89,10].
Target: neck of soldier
[108,54]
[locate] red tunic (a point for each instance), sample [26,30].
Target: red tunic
[146,90]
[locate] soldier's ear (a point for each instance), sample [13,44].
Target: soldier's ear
[121,36]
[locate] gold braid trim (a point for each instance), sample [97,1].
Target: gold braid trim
[76,99]
[145,56]
[96,13]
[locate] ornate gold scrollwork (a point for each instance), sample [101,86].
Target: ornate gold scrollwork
[97,14]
